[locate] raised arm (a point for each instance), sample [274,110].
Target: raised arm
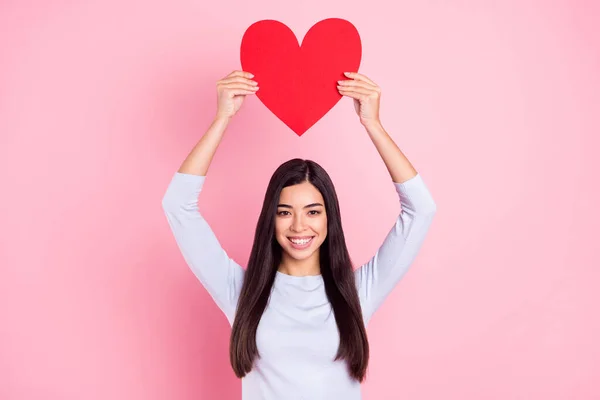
[219,274]
[377,278]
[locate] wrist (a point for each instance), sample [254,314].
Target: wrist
[222,119]
[373,126]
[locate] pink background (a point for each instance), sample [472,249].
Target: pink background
[496,104]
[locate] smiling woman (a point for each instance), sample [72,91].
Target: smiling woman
[299,235]
[299,310]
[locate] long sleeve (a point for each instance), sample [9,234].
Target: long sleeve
[377,278]
[219,274]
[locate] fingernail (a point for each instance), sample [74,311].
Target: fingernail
[347,73]
[251,75]
[340,82]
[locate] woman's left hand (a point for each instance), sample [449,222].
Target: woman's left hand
[366,95]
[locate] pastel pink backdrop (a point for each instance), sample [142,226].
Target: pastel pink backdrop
[495,103]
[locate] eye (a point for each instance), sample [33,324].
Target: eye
[281,213]
[314,212]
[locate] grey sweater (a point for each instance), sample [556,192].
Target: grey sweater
[297,337]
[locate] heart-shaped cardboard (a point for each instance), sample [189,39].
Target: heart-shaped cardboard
[298,82]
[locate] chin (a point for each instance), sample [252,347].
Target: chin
[298,255]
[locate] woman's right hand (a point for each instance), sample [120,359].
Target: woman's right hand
[231,92]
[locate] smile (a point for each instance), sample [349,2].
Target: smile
[301,243]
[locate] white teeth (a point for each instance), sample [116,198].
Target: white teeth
[300,242]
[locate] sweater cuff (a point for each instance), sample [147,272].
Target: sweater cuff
[415,195]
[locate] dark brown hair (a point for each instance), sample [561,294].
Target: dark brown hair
[336,269]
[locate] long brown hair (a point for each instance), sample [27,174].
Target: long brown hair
[336,269]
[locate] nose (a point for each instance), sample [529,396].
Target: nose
[297,223]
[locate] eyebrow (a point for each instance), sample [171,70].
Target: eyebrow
[308,206]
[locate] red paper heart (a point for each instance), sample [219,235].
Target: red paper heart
[298,83]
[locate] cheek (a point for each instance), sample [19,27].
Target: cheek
[321,226]
[278,230]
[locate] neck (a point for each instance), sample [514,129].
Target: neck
[307,267]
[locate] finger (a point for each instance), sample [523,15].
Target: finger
[360,77]
[242,74]
[354,83]
[353,95]
[238,79]
[239,73]
[240,86]
[357,90]
[238,92]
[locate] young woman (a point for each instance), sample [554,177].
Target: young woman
[299,310]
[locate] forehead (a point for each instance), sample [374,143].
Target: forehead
[300,195]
